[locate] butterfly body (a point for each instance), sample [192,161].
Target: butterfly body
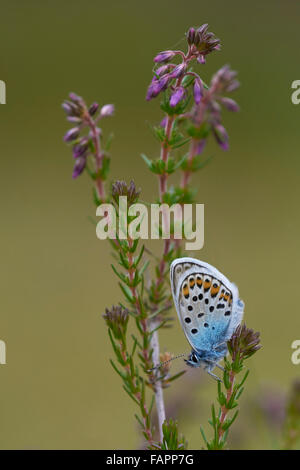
[208,307]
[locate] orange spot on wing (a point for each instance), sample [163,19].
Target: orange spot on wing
[214,290]
[185,290]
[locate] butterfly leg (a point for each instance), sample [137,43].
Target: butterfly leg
[220,344]
[214,376]
[220,367]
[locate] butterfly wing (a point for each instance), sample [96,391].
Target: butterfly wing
[207,303]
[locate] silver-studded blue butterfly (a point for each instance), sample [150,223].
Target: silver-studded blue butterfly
[209,310]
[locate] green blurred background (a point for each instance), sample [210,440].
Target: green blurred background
[58,389]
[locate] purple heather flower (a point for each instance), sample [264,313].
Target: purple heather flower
[80,149]
[93,109]
[164,56]
[221,136]
[163,122]
[191,36]
[179,70]
[203,28]
[79,166]
[67,107]
[197,91]
[163,82]
[72,134]
[153,90]
[233,85]
[230,104]
[71,108]
[224,80]
[162,70]
[201,59]
[203,42]
[77,111]
[272,403]
[107,110]
[200,146]
[98,131]
[156,86]
[121,188]
[177,96]
[75,97]
[74,119]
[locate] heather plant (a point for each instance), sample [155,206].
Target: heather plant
[291,431]
[192,113]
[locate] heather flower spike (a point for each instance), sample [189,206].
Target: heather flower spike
[202,41]
[224,80]
[120,188]
[243,343]
[86,139]
[200,44]
[117,319]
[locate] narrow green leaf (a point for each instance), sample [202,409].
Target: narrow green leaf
[131,395]
[121,374]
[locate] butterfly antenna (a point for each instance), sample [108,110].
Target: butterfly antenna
[165,362]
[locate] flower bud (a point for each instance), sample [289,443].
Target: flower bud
[201,59]
[117,319]
[230,104]
[80,149]
[74,119]
[163,82]
[177,96]
[197,92]
[79,166]
[72,134]
[121,188]
[178,71]
[75,98]
[66,107]
[107,110]
[191,36]
[162,70]
[203,28]
[221,136]
[200,146]
[164,56]
[153,90]
[93,109]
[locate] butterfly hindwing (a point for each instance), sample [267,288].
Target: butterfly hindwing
[206,302]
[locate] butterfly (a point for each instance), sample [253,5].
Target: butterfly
[209,310]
